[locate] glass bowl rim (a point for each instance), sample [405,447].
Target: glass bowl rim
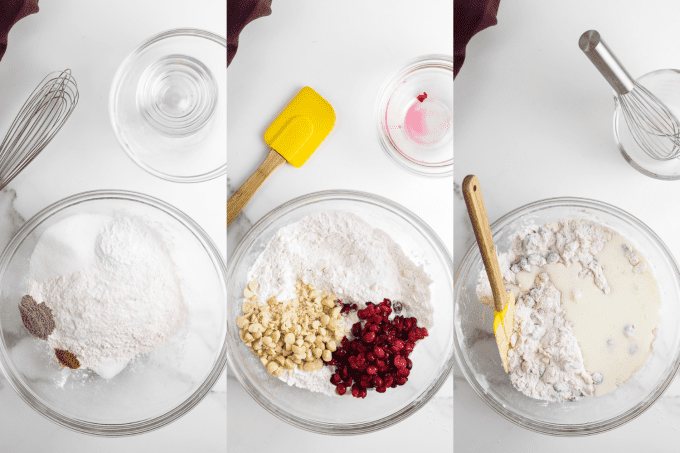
[430,171]
[331,428]
[115,85]
[146,425]
[555,429]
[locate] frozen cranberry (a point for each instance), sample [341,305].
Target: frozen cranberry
[362,314]
[402,380]
[347,381]
[388,380]
[341,389]
[365,380]
[356,391]
[403,372]
[379,352]
[397,345]
[409,364]
[335,379]
[372,369]
[356,329]
[399,362]
[373,328]
[370,357]
[381,389]
[377,381]
[369,337]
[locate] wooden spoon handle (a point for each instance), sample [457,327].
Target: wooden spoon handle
[240,199]
[480,224]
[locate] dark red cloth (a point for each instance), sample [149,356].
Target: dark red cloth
[469,18]
[11,12]
[239,14]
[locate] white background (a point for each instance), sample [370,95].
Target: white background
[92,38]
[533,120]
[345,51]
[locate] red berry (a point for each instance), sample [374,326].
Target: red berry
[387,302]
[403,372]
[341,389]
[399,362]
[356,391]
[365,381]
[377,381]
[362,314]
[370,357]
[347,381]
[402,380]
[409,364]
[381,389]
[335,379]
[379,352]
[372,369]
[397,345]
[389,380]
[369,337]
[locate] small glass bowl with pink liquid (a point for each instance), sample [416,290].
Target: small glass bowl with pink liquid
[415,116]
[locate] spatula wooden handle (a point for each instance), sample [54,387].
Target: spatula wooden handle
[480,224]
[240,199]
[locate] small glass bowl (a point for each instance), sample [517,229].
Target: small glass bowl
[477,352]
[168,105]
[156,388]
[432,358]
[664,84]
[423,150]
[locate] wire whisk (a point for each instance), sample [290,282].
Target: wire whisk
[41,117]
[655,129]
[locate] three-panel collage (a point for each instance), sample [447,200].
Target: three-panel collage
[237,226]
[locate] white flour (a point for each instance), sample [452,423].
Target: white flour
[341,253]
[545,361]
[112,288]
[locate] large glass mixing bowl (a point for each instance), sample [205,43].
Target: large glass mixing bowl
[432,358]
[477,353]
[155,388]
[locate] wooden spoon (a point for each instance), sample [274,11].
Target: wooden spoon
[504,302]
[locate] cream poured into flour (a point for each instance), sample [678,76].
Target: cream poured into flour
[586,311]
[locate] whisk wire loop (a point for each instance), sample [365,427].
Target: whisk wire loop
[40,118]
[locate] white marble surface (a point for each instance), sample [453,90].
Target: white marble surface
[533,120]
[92,38]
[345,51]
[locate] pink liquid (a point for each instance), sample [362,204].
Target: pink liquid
[427,122]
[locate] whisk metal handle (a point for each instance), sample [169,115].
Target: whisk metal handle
[605,61]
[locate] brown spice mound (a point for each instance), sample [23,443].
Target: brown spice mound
[37,318]
[67,359]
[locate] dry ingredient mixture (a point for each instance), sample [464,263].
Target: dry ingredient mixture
[111,287]
[581,289]
[340,254]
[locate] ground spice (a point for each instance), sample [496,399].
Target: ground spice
[67,359]
[37,318]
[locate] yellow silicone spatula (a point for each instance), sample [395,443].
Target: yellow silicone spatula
[293,136]
[504,302]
